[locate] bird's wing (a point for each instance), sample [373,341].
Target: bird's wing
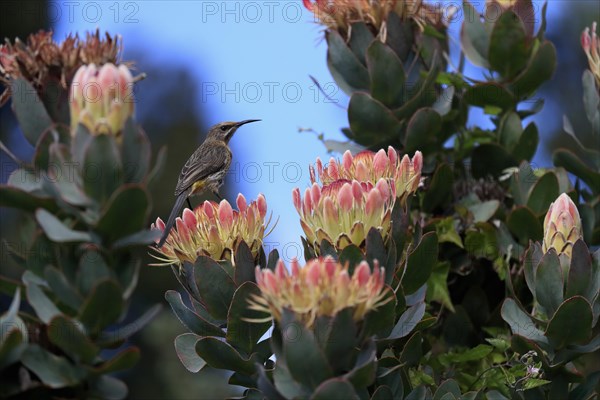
[206,160]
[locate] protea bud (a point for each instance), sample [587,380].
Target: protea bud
[368,166]
[562,226]
[591,46]
[101,98]
[213,229]
[322,288]
[344,211]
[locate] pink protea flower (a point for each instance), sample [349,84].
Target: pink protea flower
[344,211]
[591,46]
[101,98]
[562,226]
[213,229]
[323,287]
[368,166]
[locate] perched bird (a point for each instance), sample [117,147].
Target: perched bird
[205,169]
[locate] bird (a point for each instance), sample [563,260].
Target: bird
[205,169]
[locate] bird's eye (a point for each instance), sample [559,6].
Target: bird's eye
[224,128]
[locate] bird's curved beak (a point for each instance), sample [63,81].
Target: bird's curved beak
[246,121]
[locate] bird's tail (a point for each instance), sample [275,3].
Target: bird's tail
[174,214]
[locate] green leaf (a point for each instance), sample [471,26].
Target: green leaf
[447,387]
[29,110]
[103,307]
[67,335]
[549,282]
[489,94]
[363,373]
[580,272]
[543,193]
[244,264]
[57,231]
[477,353]
[540,69]
[420,263]
[125,213]
[335,388]
[139,238]
[352,256]
[120,334]
[16,198]
[61,287]
[185,347]
[12,346]
[125,359]
[102,171]
[344,66]
[437,286]
[55,372]
[383,392]
[305,360]
[519,322]
[571,324]
[510,131]
[568,160]
[189,318]
[524,225]
[474,38]
[243,333]
[10,320]
[44,308]
[135,152]
[92,269]
[218,354]
[387,74]
[408,321]
[483,211]
[360,39]
[422,130]
[108,387]
[509,49]
[532,383]
[527,146]
[215,286]
[370,121]
[412,351]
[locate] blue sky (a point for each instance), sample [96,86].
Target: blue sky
[251,59]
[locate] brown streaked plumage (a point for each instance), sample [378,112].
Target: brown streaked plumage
[205,169]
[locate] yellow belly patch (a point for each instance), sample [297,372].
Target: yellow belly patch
[198,186]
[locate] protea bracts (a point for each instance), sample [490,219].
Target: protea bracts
[101,98]
[562,226]
[214,230]
[368,166]
[322,288]
[344,211]
[591,46]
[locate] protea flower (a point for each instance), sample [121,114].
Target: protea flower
[562,226]
[41,60]
[101,98]
[591,46]
[322,288]
[213,229]
[340,14]
[344,211]
[368,166]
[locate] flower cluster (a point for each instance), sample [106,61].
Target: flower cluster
[368,166]
[40,59]
[323,287]
[340,14]
[213,230]
[101,98]
[344,211]
[562,226]
[591,46]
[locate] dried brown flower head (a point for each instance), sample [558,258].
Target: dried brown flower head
[41,60]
